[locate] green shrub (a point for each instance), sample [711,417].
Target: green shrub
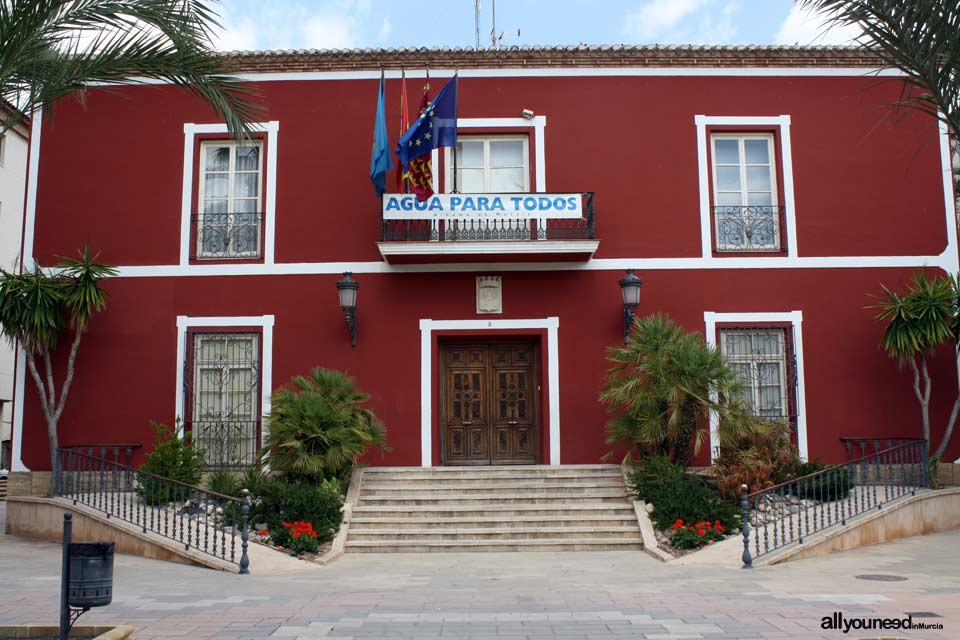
[759,458]
[281,500]
[253,479]
[319,427]
[174,456]
[827,487]
[225,482]
[678,496]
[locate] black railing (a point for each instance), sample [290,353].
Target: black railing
[494,228]
[227,444]
[227,235]
[199,519]
[862,445]
[750,228]
[114,451]
[789,512]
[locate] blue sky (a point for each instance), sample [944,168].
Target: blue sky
[319,24]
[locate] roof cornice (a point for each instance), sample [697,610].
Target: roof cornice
[540,57]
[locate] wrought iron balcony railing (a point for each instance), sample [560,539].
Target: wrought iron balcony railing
[197,518]
[227,235]
[227,444]
[750,228]
[494,226]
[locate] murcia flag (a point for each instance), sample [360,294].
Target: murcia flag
[436,127]
[380,160]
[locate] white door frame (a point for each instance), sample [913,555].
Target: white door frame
[427,327]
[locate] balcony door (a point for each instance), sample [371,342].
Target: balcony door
[490,400]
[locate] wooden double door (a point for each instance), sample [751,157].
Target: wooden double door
[490,400]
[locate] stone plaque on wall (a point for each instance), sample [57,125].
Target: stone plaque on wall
[489,294]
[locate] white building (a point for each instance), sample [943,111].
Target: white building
[13,176]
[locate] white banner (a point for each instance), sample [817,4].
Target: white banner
[487,206]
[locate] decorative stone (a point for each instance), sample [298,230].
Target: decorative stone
[649,508]
[489,294]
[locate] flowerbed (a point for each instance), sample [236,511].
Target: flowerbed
[298,538]
[694,536]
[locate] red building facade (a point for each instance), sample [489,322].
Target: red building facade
[761,194]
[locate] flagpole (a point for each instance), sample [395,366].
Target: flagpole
[456,86]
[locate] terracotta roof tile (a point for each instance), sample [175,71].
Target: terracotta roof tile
[537,56]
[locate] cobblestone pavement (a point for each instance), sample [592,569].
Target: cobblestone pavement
[587,596]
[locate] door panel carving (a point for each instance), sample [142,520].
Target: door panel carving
[489,404]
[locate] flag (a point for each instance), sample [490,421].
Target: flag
[420,172]
[436,127]
[404,125]
[380,160]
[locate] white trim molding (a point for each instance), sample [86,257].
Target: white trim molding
[785,165]
[33,171]
[16,453]
[266,366]
[190,131]
[795,318]
[427,327]
[539,125]
[586,248]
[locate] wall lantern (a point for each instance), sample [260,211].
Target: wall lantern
[630,289]
[347,290]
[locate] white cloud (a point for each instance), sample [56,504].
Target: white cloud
[684,22]
[657,17]
[386,28]
[804,27]
[295,24]
[330,32]
[240,36]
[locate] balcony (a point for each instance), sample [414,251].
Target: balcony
[489,227]
[748,229]
[227,236]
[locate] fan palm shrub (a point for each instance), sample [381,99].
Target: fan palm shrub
[319,426]
[662,387]
[50,49]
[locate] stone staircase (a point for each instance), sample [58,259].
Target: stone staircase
[501,508]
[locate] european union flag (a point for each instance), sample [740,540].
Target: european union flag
[380,160]
[436,126]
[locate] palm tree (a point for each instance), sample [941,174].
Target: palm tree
[319,428]
[918,323]
[35,308]
[921,38]
[50,49]
[664,384]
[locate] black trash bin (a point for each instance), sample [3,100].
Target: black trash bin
[91,574]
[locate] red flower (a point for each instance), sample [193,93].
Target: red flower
[720,528]
[701,531]
[265,532]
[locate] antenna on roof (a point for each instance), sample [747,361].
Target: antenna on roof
[476,19]
[495,39]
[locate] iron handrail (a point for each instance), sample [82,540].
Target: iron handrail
[789,511]
[198,518]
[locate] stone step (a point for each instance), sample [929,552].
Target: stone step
[580,509]
[390,536]
[522,482]
[486,473]
[482,523]
[453,546]
[492,489]
[559,499]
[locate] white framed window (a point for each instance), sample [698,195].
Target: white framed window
[758,357]
[224,396]
[492,164]
[230,200]
[745,201]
